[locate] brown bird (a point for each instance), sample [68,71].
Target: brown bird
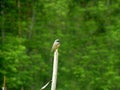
[56,44]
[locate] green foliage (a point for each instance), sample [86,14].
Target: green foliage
[89,51]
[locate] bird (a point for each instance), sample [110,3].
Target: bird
[56,44]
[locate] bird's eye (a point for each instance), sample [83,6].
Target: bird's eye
[58,41]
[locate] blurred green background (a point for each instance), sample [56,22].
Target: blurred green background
[89,32]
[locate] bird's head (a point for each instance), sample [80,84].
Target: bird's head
[57,40]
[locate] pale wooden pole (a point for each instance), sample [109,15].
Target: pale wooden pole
[55,67]
[4,84]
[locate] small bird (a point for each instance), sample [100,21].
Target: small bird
[56,44]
